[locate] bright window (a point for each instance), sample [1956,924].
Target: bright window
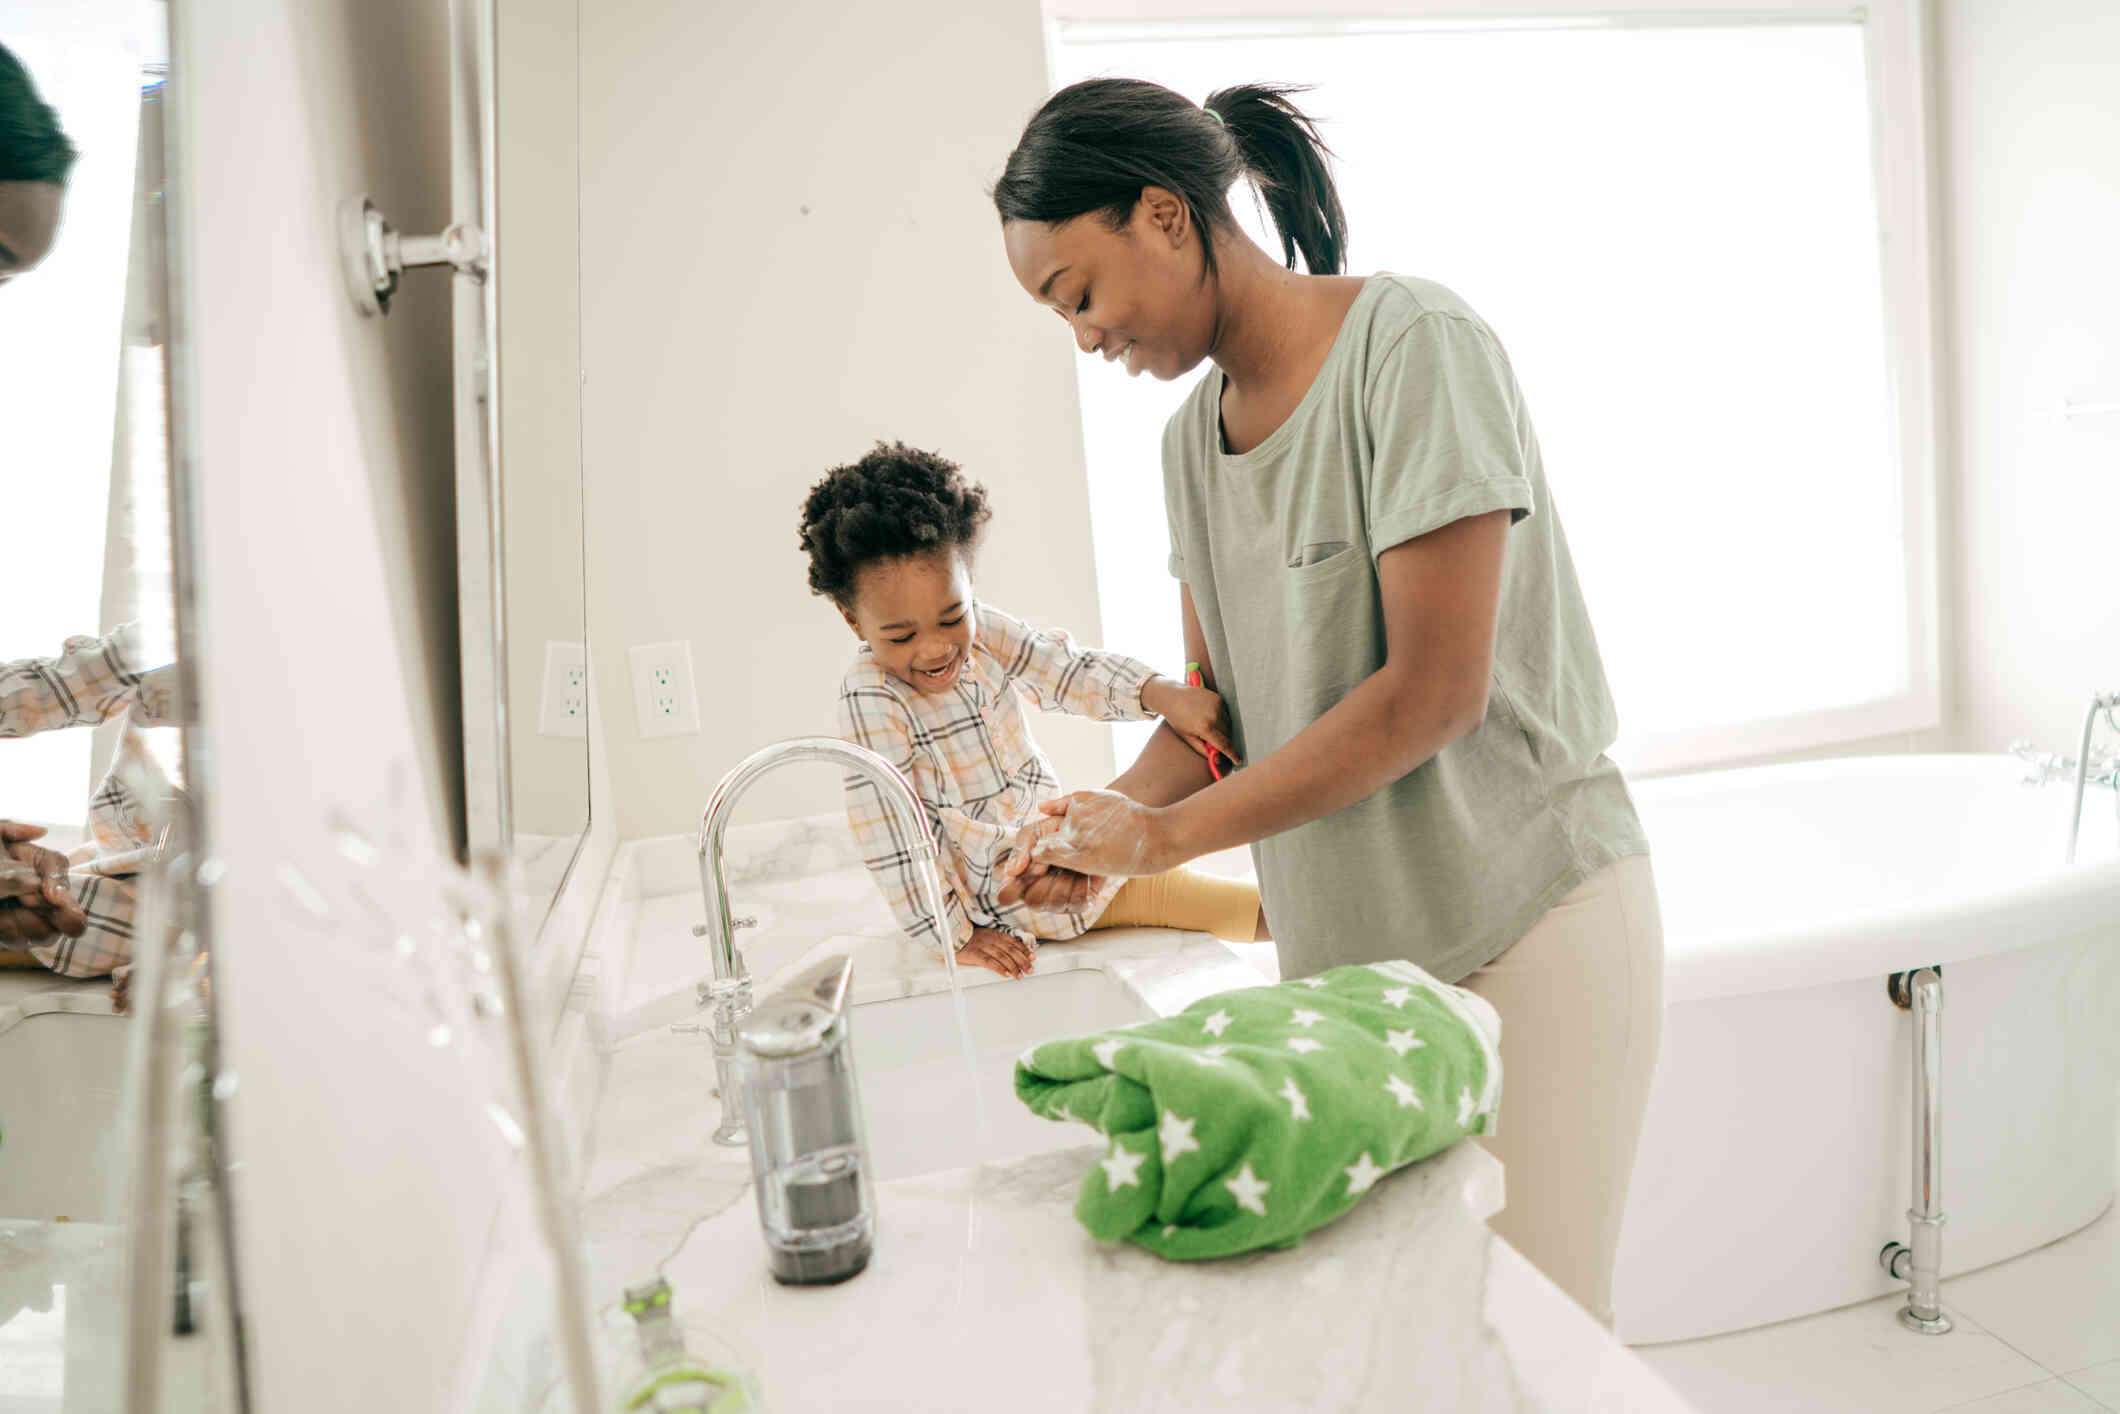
[60,385]
[1675,231]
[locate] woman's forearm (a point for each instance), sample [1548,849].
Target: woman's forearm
[1166,771]
[1376,734]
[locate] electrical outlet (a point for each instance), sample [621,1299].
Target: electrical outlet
[563,700]
[663,697]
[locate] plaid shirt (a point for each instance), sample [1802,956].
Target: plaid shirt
[970,758]
[91,681]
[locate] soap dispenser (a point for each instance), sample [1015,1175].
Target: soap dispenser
[809,1154]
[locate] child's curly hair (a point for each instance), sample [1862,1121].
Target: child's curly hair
[894,502]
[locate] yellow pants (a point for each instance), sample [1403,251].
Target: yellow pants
[1204,903]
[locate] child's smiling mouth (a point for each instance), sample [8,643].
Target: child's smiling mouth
[942,676]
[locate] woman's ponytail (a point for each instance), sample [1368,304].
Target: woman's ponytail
[1285,156]
[1094,145]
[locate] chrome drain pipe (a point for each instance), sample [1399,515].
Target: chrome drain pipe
[1919,1263]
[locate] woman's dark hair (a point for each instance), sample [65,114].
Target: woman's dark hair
[33,148]
[894,502]
[1096,144]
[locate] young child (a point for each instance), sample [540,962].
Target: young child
[936,691]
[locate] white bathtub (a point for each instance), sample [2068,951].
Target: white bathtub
[1774,1159]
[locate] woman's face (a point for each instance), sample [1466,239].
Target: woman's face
[1134,295]
[916,615]
[29,222]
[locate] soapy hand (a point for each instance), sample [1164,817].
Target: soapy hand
[1099,833]
[1194,713]
[35,879]
[1040,886]
[996,951]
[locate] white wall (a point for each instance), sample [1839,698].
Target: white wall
[540,396]
[788,253]
[364,1189]
[2030,105]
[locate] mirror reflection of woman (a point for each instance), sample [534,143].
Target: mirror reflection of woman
[35,160]
[1372,572]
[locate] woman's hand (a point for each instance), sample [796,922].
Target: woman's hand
[996,951]
[1194,713]
[36,877]
[1094,832]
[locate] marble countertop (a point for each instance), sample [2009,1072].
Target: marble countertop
[61,1317]
[986,1293]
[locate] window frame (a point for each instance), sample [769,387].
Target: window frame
[1896,43]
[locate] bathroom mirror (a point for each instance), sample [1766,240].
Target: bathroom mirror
[115,1261]
[526,709]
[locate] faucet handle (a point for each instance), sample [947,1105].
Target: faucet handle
[699,930]
[2045,765]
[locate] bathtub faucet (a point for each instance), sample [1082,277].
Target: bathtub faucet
[2085,768]
[2108,770]
[728,992]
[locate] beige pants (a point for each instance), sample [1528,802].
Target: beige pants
[1581,1000]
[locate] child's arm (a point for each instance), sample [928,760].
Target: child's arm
[872,717]
[1088,682]
[1109,687]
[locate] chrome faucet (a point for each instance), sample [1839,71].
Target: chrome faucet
[2085,767]
[2109,770]
[728,991]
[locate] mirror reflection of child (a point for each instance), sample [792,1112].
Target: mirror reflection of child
[937,689]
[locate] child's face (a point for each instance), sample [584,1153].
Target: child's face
[916,616]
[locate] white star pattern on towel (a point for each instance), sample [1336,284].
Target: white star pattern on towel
[1205,1056]
[1248,1189]
[1063,1112]
[1122,1169]
[1361,1175]
[1028,1060]
[1398,996]
[1303,1044]
[1216,1024]
[1305,1017]
[1298,1107]
[1217,1051]
[1311,982]
[1402,1041]
[1466,1105]
[1104,1051]
[1405,1094]
[1177,1136]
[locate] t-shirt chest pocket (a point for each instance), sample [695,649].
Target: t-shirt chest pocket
[1318,552]
[1333,625]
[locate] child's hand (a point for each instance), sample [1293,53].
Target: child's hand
[996,951]
[1195,713]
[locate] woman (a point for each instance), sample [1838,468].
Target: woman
[1374,574]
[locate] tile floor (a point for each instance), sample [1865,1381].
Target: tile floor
[2039,1334]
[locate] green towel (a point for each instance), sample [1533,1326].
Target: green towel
[1253,1116]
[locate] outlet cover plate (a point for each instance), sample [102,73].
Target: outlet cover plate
[563,698]
[663,696]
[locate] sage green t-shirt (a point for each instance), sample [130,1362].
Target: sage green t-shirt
[1414,421]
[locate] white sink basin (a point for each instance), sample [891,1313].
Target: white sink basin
[59,1114]
[914,1092]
